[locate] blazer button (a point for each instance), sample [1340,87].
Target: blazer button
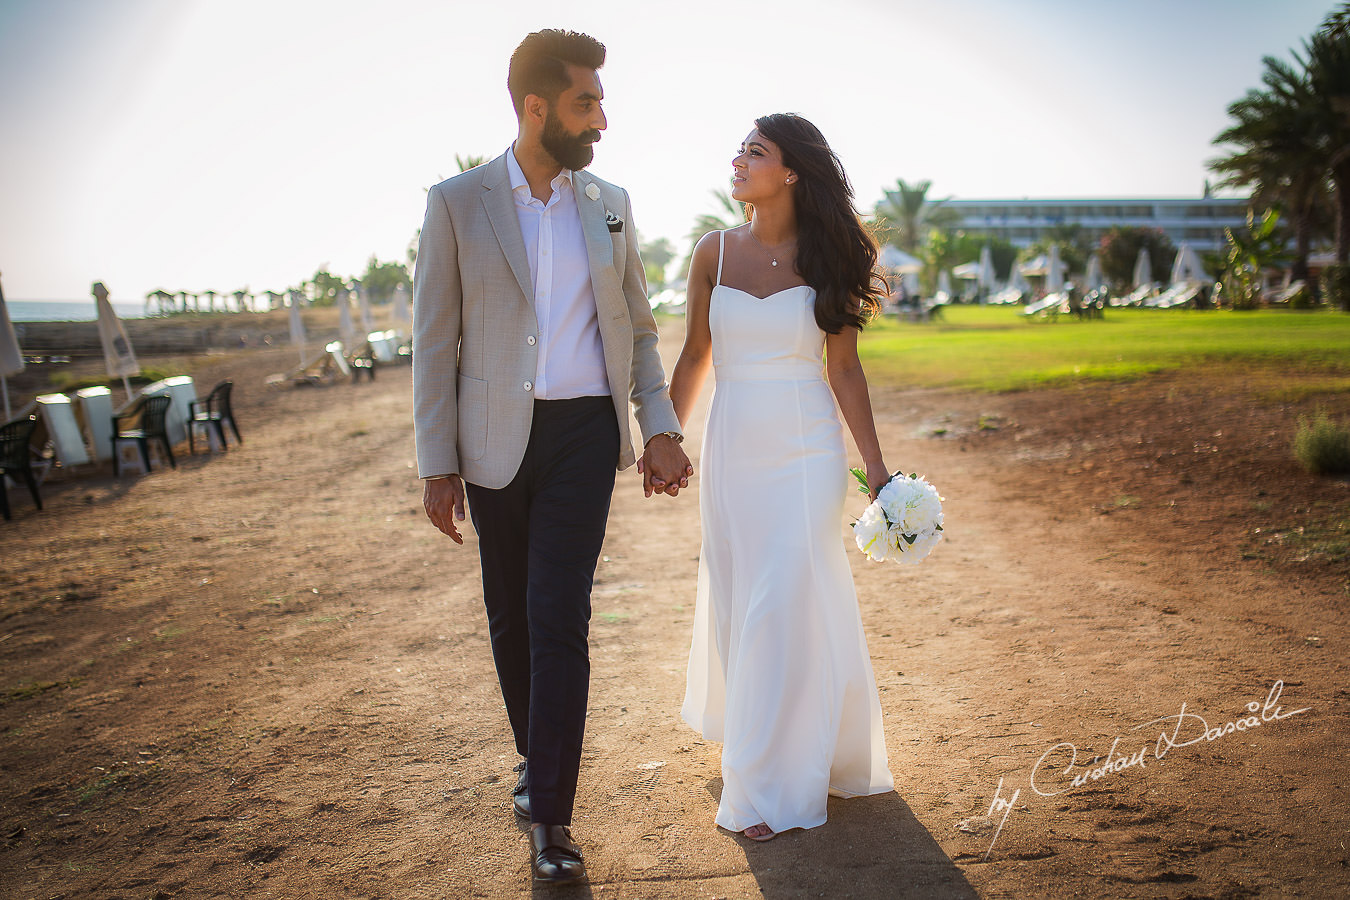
[529,385]
[530,340]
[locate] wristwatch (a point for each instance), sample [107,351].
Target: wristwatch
[673,435]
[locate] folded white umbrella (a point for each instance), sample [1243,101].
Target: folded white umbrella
[345,326]
[1186,269]
[1093,278]
[1054,272]
[1143,269]
[944,283]
[363,302]
[297,326]
[402,307]
[11,359]
[118,357]
[987,276]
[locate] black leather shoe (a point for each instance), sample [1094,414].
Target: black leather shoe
[553,856]
[520,797]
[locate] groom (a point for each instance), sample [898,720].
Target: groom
[532,332]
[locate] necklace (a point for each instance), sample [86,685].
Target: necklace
[773,258]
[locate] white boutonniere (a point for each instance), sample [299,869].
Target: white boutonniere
[593,191]
[612,222]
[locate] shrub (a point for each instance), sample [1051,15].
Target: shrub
[1321,445]
[1335,282]
[1302,299]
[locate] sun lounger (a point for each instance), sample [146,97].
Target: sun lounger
[1134,298]
[1179,295]
[1048,305]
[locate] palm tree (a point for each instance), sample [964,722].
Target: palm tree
[905,215]
[1338,23]
[1279,153]
[729,214]
[469,161]
[1328,70]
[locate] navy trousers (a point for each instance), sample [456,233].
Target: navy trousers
[539,539]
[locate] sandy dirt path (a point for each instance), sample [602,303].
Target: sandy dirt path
[265,674]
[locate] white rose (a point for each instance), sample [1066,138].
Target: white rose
[869,533]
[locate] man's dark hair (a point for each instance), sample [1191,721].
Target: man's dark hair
[539,65]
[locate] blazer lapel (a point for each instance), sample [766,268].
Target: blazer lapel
[599,245]
[501,210]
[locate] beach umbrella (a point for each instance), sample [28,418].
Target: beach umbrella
[1033,267]
[987,275]
[345,326]
[1093,278]
[1054,271]
[118,356]
[1017,281]
[11,360]
[897,261]
[944,283]
[402,308]
[969,271]
[1143,269]
[1186,267]
[363,302]
[297,326]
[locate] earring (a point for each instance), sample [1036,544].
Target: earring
[787,181]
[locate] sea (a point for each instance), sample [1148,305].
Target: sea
[68,310]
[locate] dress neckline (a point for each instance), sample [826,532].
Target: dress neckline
[764,298]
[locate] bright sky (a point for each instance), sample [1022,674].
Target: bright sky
[221,144]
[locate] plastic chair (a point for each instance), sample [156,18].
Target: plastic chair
[150,412]
[16,459]
[215,412]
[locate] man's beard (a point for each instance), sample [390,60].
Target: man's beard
[573,151]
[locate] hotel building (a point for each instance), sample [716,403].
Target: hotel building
[1199,222]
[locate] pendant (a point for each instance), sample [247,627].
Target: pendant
[774,263]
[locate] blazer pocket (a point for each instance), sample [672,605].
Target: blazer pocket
[473,417]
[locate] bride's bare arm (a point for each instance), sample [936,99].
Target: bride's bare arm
[696,357]
[849,383]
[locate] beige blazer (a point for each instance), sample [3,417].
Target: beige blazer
[475,347]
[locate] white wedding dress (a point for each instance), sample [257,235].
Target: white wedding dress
[778,669]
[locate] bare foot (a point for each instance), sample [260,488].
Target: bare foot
[760,832]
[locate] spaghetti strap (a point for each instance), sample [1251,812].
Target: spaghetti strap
[721,247]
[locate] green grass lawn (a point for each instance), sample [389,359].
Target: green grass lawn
[1290,354]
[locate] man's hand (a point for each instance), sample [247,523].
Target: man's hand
[664,467]
[443,499]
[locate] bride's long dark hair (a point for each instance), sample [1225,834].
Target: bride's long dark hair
[835,254]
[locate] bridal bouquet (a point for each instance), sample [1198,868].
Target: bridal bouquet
[904,523]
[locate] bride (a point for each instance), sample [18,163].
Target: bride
[778,668]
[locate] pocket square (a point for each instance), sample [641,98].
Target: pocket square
[612,222]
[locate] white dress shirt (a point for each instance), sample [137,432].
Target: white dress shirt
[571,355]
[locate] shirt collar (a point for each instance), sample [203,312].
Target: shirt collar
[517,175]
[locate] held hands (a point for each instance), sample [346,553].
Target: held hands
[877,476]
[443,499]
[664,466]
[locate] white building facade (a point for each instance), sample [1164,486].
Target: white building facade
[1198,222]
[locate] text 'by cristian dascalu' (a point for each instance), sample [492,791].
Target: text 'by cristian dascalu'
[1183,729]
